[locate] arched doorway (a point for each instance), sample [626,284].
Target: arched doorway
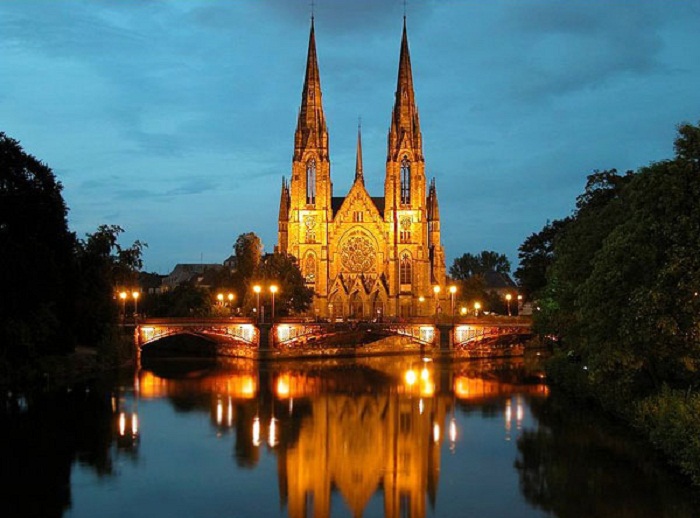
[357,308]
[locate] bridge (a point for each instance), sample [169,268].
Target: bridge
[243,337]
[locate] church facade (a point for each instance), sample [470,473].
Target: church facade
[364,256]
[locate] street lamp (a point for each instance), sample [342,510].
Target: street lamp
[508,297]
[520,304]
[453,290]
[136,296]
[220,298]
[436,290]
[463,311]
[273,290]
[123,295]
[421,299]
[477,307]
[257,289]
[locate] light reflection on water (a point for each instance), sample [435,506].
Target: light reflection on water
[387,437]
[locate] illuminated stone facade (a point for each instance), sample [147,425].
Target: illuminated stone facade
[364,256]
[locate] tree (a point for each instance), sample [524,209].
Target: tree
[105,267]
[248,251]
[623,286]
[182,301]
[536,255]
[37,266]
[468,265]
[282,269]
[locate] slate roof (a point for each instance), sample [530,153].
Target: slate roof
[337,202]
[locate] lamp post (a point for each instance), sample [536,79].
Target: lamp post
[463,311]
[273,290]
[136,296]
[230,297]
[520,304]
[508,297]
[220,298]
[453,290]
[421,299]
[436,290]
[257,289]
[123,295]
[477,307]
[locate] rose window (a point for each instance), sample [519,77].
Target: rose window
[358,255]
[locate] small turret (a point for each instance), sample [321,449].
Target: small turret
[283,220]
[359,173]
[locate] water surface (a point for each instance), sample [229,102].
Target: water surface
[394,437]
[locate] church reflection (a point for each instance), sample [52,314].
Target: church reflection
[356,430]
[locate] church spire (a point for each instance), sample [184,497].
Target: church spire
[359,173]
[405,126]
[311,129]
[432,202]
[284,201]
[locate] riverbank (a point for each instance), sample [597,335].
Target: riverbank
[56,371]
[668,419]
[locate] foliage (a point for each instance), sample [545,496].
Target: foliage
[181,301]
[536,255]
[36,260]
[248,251]
[622,292]
[470,272]
[282,270]
[105,267]
[671,420]
[469,265]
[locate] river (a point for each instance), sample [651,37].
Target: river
[392,437]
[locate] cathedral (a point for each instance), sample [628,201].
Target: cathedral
[364,256]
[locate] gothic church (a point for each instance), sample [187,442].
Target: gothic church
[364,256]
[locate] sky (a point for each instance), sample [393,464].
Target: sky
[175,118]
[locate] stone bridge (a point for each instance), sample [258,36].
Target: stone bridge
[242,337]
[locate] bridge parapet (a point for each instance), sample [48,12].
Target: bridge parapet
[307,334]
[237,330]
[243,338]
[487,339]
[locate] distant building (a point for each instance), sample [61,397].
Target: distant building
[231,262]
[151,283]
[194,274]
[500,283]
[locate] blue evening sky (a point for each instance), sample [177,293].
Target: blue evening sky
[175,118]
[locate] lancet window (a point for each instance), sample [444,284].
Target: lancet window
[405,269]
[405,181]
[310,269]
[311,182]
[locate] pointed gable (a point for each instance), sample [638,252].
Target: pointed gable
[358,199]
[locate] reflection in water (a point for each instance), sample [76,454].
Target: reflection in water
[569,467]
[387,437]
[44,434]
[358,429]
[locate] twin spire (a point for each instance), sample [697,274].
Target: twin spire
[404,132]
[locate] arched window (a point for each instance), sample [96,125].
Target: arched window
[311,182]
[310,269]
[405,273]
[405,181]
